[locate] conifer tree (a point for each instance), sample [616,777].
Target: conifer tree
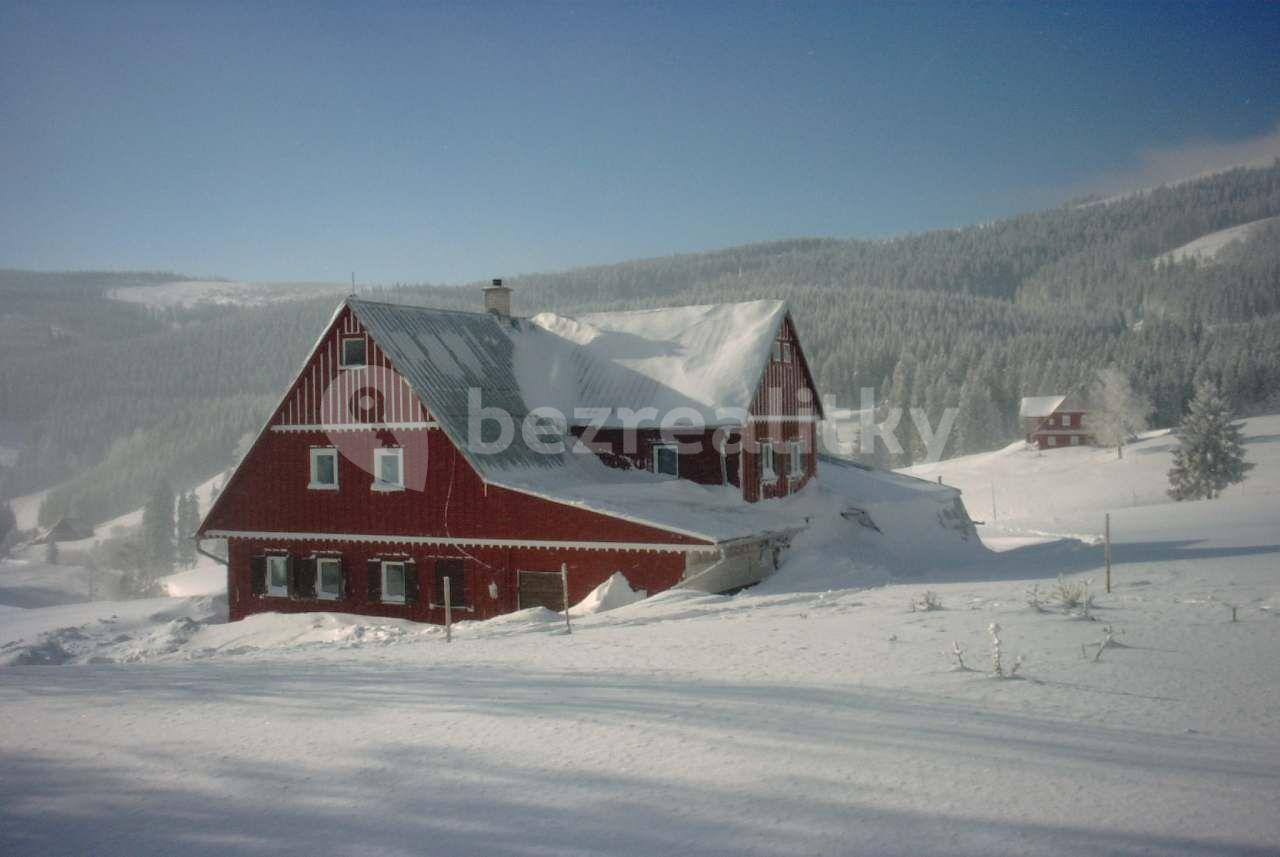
[1211,456]
[188,520]
[157,530]
[8,523]
[1119,413]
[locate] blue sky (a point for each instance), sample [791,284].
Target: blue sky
[447,142]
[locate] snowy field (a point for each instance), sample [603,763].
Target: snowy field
[1207,247]
[191,293]
[810,715]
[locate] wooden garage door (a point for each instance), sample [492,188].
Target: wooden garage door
[541,589]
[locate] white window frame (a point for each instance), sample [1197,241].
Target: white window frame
[274,591]
[316,453]
[1052,440]
[675,450]
[787,353]
[796,464]
[320,593]
[1075,440]
[404,577]
[396,452]
[777,351]
[1066,420]
[768,468]
[342,352]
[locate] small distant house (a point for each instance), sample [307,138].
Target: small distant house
[1053,421]
[66,530]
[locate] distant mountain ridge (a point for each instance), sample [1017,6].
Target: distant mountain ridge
[974,317]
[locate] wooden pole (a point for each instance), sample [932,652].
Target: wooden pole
[448,612]
[564,594]
[1106,550]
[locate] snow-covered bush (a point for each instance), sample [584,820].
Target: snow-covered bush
[928,600]
[997,653]
[958,653]
[1034,599]
[1074,596]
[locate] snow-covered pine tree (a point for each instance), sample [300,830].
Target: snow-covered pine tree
[157,530]
[977,425]
[188,520]
[1211,456]
[1119,413]
[8,523]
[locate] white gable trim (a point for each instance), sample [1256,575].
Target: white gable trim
[477,542]
[408,424]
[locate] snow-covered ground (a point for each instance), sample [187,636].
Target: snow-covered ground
[783,720]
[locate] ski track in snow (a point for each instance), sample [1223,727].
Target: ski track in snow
[783,720]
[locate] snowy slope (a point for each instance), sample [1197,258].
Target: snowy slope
[779,721]
[1022,490]
[1206,247]
[26,580]
[189,293]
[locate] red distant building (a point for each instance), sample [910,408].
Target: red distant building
[1054,421]
[387,467]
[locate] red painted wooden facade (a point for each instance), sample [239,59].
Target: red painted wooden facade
[785,409]
[1059,429]
[445,510]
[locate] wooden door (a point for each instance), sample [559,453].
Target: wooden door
[541,589]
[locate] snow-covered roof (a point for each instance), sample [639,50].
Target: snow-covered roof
[1039,406]
[709,358]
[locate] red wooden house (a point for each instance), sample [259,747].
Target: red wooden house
[1054,421]
[421,444]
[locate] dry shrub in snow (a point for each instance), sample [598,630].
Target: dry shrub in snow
[1074,596]
[997,665]
[926,602]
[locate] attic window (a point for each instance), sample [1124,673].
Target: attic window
[796,460]
[666,460]
[767,471]
[353,352]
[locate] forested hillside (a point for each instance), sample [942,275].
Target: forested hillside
[974,317]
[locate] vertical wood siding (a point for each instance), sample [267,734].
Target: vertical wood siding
[785,393]
[327,394]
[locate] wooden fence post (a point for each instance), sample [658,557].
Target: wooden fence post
[448,612]
[1106,550]
[564,592]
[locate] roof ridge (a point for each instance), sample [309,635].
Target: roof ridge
[481,313]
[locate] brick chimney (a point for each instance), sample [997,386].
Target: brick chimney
[497,298]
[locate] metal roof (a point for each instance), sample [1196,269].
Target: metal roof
[444,355]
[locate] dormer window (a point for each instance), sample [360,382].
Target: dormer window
[796,461]
[353,352]
[767,471]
